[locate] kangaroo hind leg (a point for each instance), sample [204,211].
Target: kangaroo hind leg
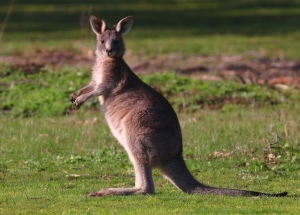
[143,184]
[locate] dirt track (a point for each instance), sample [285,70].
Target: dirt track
[246,68]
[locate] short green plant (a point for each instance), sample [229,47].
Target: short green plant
[46,92]
[281,156]
[192,94]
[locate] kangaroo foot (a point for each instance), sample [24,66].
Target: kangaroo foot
[117,191]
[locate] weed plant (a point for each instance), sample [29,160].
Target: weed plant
[46,92]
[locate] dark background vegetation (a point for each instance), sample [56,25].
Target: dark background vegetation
[182,18]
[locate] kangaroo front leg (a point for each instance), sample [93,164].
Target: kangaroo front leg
[143,184]
[82,91]
[79,97]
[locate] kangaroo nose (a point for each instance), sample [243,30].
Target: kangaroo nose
[108,51]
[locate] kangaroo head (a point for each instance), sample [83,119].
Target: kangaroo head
[110,41]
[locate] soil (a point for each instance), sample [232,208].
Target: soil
[247,68]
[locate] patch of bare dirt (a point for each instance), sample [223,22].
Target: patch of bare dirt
[31,63]
[247,68]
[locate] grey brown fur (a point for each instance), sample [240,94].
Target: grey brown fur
[141,119]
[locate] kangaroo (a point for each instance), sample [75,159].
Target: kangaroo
[140,118]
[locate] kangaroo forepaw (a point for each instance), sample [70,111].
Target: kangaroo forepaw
[76,100]
[77,103]
[73,97]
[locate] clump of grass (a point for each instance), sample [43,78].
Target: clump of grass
[280,156]
[46,92]
[187,94]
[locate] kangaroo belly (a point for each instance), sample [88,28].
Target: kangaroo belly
[101,100]
[119,131]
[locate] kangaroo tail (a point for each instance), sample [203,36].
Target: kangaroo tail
[176,171]
[232,192]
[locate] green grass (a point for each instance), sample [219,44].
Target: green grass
[48,164]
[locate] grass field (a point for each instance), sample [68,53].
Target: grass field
[47,165]
[52,154]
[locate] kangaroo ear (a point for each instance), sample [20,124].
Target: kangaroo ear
[124,25]
[98,25]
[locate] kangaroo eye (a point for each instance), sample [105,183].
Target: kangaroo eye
[102,41]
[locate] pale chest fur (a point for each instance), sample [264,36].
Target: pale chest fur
[116,125]
[98,75]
